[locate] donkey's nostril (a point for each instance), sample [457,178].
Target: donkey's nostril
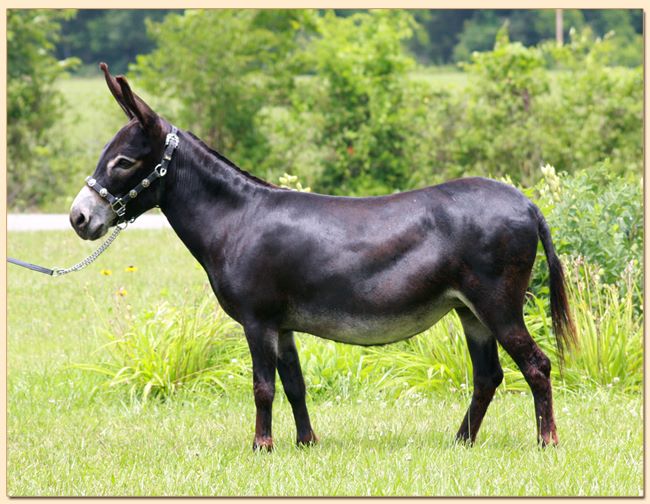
[79,219]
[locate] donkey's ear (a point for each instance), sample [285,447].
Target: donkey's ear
[146,116]
[115,88]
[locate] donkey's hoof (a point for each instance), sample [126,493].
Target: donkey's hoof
[463,438]
[308,440]
[464,441]
[550,439]
[263,444]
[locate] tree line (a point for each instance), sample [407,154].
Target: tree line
[442,36]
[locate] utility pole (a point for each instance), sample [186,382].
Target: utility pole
[559,27]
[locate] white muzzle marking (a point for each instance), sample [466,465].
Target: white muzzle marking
[98,216]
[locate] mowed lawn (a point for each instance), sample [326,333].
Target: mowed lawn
[68,434]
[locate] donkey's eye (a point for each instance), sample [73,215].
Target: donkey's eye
[124,163]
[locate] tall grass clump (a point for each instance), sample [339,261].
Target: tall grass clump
[436,360]
[333,369]
[167,349]
[609,329]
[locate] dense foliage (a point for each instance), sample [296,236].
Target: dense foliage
[117,36]
[519,115]
[360,74]
[522,107]
[34,105]
[225,65]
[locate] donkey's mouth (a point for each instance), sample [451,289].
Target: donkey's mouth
[97,233]
[89,231]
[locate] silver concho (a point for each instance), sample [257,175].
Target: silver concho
[145,183]
[91,182]
[103,192]
[132,193]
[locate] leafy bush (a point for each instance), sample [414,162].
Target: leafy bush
[596,113]
[357,94]
[359,127]
[34,105]
[502,133]
[293,134]
[218,68]
[597,216]
[516,114]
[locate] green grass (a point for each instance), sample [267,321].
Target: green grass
[368,447]
[69,434]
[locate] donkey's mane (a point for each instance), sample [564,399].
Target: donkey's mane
[223,158]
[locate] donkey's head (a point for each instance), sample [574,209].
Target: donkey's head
[127,171]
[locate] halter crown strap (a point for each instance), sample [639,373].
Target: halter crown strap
[118,204]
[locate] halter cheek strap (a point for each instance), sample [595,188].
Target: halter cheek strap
[118,204]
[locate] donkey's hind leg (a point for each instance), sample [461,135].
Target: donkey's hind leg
[503,315]
[536,368]
[487,372]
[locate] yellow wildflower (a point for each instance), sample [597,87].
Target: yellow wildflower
[121,292]
[130,269]
[106,272]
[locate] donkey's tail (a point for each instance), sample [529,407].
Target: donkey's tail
[565,333]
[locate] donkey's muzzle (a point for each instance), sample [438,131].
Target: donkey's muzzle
[90,216]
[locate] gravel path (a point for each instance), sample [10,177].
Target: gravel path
[59,222]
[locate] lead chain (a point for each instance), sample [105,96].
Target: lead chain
[92,257]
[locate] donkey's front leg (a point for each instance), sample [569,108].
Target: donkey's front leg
[263,344]
[294,387]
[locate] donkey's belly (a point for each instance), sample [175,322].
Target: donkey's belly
[368,327]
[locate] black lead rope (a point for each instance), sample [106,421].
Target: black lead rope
[118,204]
[33,267]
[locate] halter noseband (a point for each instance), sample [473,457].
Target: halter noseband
[118,204]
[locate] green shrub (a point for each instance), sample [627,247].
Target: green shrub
[596,112]
[524,107]
[595,215]
[501,132]
[292,136]
[218,68]
[35,149]
[357,96]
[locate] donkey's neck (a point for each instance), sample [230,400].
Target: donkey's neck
[205,195]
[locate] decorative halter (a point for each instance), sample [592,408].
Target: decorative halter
[118,204]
